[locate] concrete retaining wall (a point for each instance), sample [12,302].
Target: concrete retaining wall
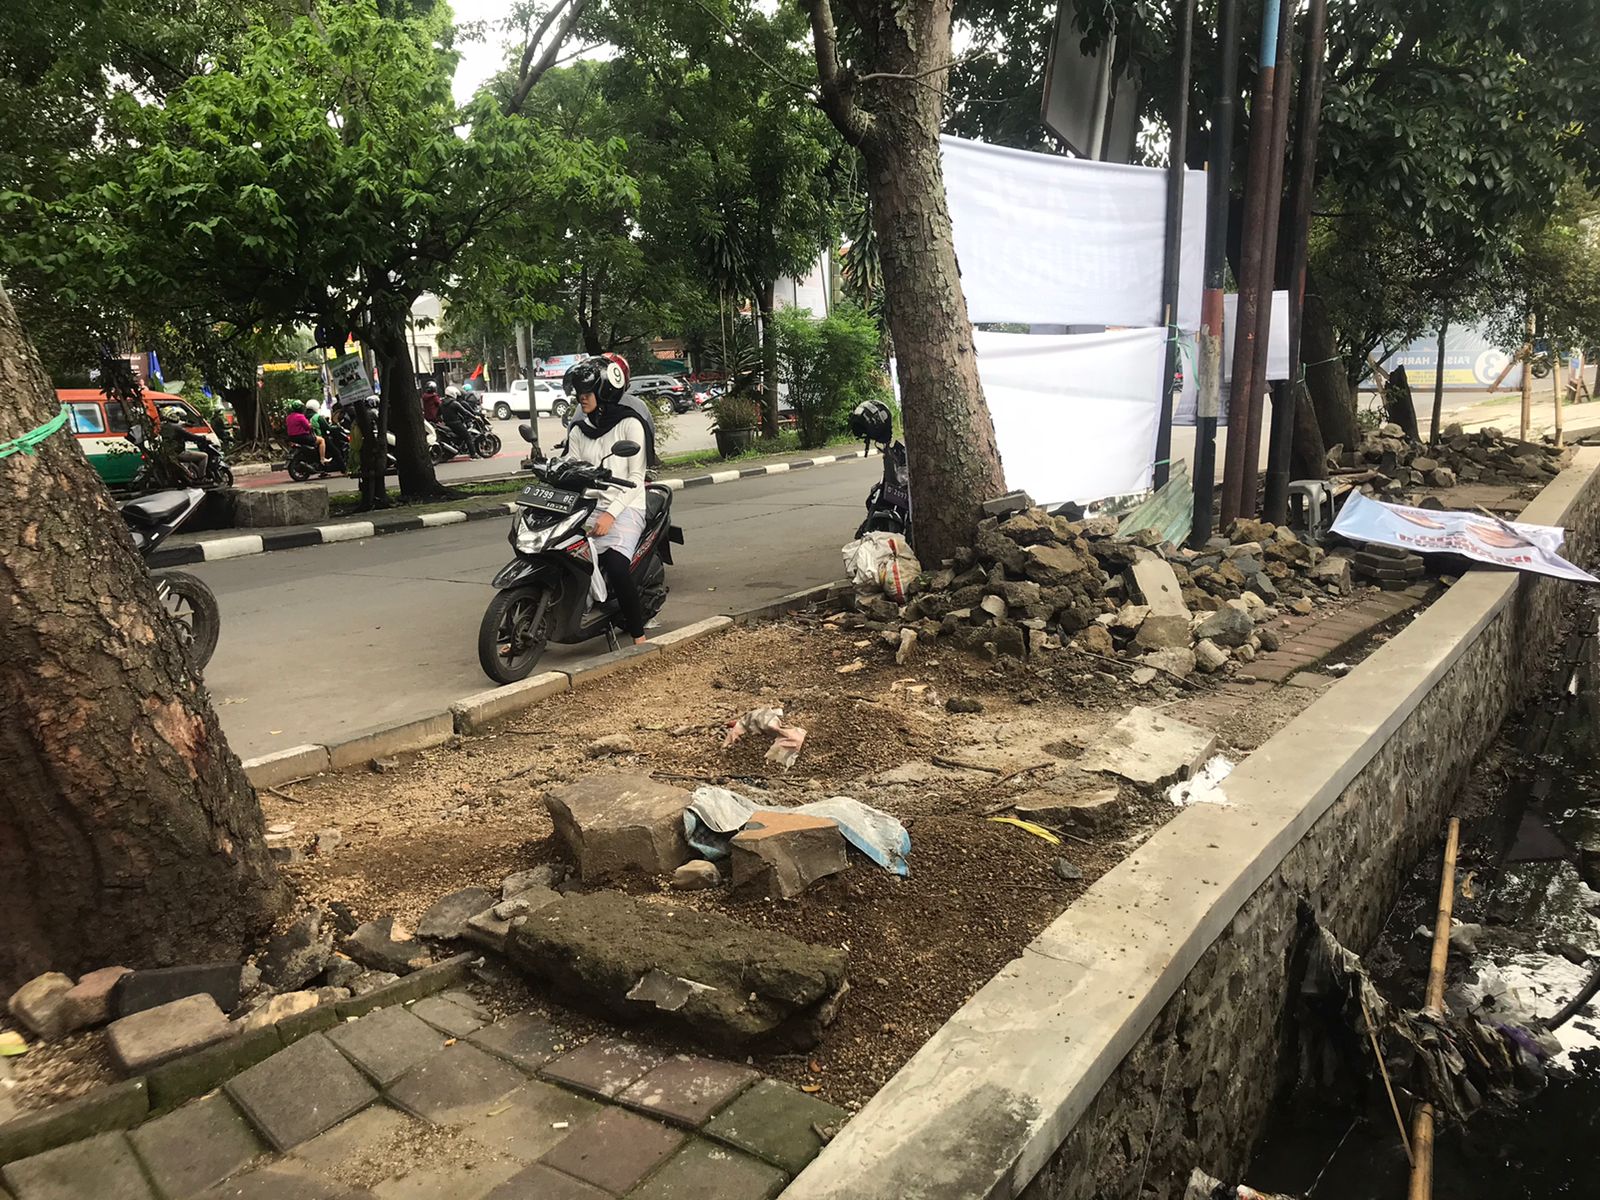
[1143,1033]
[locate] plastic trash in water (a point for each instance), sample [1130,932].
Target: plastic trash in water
[787,739]
[715,814]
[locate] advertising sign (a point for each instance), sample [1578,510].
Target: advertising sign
[350,379]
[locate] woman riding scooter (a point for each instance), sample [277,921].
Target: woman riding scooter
[599,384]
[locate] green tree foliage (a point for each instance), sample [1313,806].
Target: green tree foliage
[829,366]
[1554,277]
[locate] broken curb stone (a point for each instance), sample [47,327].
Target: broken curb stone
[156,1035]
[38,1003]
[89,1002]
[751,986]
[139,990]
[382,945]
[782,853]
[1151,749]
[298,955]
[447,918]
[616,823]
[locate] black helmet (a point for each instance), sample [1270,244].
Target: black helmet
[600,375]
[872,421]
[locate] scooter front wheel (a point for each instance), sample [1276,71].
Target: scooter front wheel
[514,633]
[488,445]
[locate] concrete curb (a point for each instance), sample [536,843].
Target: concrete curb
[1017,1069]
[479,711]
[379,525]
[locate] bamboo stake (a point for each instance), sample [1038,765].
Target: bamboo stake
[1422,1122]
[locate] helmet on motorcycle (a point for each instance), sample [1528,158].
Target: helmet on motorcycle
[872,421]
[429,385]
[298,406]
[174,414]
[604,376]
[313,406]
[452,391]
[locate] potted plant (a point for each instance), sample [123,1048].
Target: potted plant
[736,420]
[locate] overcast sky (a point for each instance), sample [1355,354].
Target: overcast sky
[479,59]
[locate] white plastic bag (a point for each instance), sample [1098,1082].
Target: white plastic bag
[882,560]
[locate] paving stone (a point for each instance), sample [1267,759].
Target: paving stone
[471,1178]
[298,1093]
[773,1122]
[101,1168]
[199,1145]
[525,1123]
[540,1182]
[460,1077]
[707,1171]
[139,991]
[117,1106]
[37,1004]
[370,1130]
[89,1002]
[281,1183]
[614,1149]
[687,1090]
[527,1040]
[603,1066]
[157,1035]
[446,1014]
[449,915]
[388,1043]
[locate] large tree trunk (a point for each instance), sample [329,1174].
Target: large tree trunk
[128,831]
[1308,453]
[1326,379]
[412,464]
[766,303]
[954,462]
[246,410]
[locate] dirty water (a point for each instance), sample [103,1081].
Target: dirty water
[1526,938]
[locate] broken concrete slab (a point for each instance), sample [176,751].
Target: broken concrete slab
[1226,627]
[89,1001]
[781,854]
[490,931]
[1334,572]
[1177,661]
[546,875]
[382,945]
[1050,807]
[1166,626]
[156,1035]
[1150,748]
[448,917]
[298,955]
[754,986]
[37,1004]
[617,823]
[279,1007]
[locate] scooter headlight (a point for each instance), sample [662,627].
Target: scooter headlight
[530,538]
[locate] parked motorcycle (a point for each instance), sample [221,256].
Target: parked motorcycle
[442,443]
[547,592]
[186,598]
[486,442]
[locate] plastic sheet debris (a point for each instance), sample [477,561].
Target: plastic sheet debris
[667,992]
[715,814]
[881,560]
[1205,787]
[12,1044]
[1038,831]
[787,739]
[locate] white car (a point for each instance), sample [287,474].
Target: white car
[551,400]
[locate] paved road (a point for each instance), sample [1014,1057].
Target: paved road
[690,431]
[327,639]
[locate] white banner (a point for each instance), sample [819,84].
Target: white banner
[1277,356]
[1074,415]
[1046,239]
[1483,538]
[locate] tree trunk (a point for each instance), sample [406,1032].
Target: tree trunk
[954,462]
[246,410]
[412,464]
[1308,454]
[1398,404]
[1329,385]
[766,304]
[128,831]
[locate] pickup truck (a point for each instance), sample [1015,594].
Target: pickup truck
[551,399]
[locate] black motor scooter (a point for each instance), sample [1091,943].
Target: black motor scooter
[546,593]
[186,598]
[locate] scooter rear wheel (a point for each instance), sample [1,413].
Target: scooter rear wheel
[193,608]
[299,468]
[514,633]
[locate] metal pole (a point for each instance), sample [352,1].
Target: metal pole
[1308,122]
[1177,152]
[1272,216]
[1257,176]
[1219,175]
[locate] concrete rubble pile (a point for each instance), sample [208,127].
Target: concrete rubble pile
[1032,583]
[1389,466]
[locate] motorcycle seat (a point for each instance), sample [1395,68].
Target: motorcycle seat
[656,499]
[156,508]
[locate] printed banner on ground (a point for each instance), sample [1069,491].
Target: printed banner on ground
[1474,535]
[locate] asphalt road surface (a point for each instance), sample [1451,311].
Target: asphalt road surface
[324,640]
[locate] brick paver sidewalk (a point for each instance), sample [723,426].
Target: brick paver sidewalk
[430,1102]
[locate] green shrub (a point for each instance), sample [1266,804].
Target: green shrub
[829,366]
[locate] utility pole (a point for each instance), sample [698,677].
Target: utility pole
[1177,152]
[1219,176]
[1257,177]
[1308,122]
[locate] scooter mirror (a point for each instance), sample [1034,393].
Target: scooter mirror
[625,449]
[526,430]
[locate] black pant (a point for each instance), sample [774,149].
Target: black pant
[619,583]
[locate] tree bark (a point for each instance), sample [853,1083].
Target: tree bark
[766,304]
[950,444]
[1308,454]
[128,831]
[1326,378]
[1398,404]
[412,464]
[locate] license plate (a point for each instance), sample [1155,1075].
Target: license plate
[542,495]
